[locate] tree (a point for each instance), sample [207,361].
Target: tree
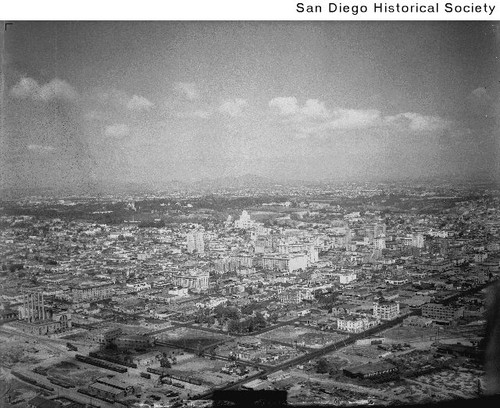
[259,321]
[165,363]
[333,372]
[199,350]
[247,326]
[234,326]
[322,367]
[227,312]
[248,309]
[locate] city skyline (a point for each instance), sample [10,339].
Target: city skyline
[99,103]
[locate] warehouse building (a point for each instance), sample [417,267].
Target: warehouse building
[370,370]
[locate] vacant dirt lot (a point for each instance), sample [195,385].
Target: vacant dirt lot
[308,337]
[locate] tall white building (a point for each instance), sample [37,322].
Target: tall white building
[352,324]
[344,277]
[307,248]
[379,243]
[244,221]
[195,242]
[375,230]
[385,309]
[418,240]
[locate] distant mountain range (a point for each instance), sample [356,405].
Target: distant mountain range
[239,182]
[246,181]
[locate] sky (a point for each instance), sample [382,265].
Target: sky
[123,102]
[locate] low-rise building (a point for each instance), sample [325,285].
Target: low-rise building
[355,324]
[92,292]
[106,391]
[104,335]
[442,313]
[41,402]
[370,370]
[351,324]
[192,279]
[133,341]
[139,286]
[295,296]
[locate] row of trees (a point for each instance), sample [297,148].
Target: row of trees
[249,325]
[233,317]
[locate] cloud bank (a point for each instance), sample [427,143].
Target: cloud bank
[313,117]
[29,88]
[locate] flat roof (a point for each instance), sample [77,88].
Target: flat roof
[105,388]
[371,367]
[113,383]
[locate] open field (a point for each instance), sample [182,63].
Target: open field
[15,391]
[321,389]
[77,373]
[190,338]
[424,336]
[410,333]
[461,381]
[368,353]
[13,354]
[302,336]
[192,367]
[20,349]
[203,369]
[266,353]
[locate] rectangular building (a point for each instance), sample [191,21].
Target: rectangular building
[193,279]
[285,262]
[385,310]
[92,292]
[370,370]
[441,313]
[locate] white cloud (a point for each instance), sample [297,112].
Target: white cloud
[118,130]
[285,105]
[315,108]
[138,103]
[25,88]
[288,105]
[188,90]
[40,148]
[29,88]
[346,119]
[314,118]
[119,99]
[233,107]
[419,123]
[480,93]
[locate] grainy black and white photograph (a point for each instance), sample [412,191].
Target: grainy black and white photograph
[212,213]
